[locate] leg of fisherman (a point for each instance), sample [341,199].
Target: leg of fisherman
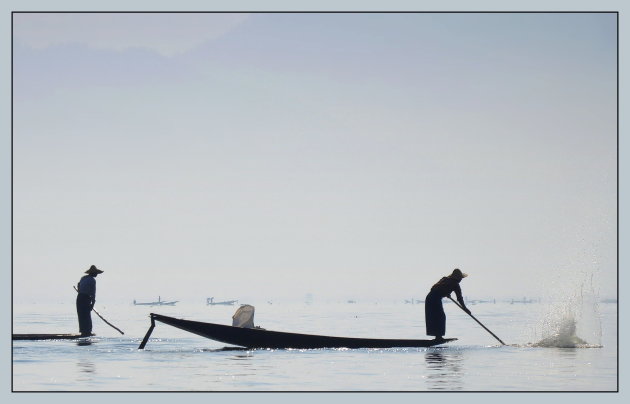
[435,318]
[84,309]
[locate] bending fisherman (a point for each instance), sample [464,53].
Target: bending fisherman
[86,299]
[434,315]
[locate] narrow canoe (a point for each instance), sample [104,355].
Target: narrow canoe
[45,336]
[261,338]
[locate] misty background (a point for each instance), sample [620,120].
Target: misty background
[337,155]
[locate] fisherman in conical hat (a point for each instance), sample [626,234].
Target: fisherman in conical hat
[434,315]
[86,299]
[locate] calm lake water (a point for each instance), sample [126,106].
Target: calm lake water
[178,361]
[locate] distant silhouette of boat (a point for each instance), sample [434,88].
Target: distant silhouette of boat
[210,302]
[477,301]
[524,301]
[159,302]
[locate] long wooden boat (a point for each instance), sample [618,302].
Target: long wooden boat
[261,338]
[22,337]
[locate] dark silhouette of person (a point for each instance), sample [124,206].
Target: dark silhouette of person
[434,315]
[86,297]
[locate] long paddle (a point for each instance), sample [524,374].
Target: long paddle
[473,317]
[106,322]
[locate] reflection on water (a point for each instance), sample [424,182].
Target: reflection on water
[569,357]
[568,353]
[84,342]
[86,366]
[245,353]
[225,349]
[247,356]
[86,370]
[85,361]
[444,369]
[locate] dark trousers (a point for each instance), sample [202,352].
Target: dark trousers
[84,310]
[434,315]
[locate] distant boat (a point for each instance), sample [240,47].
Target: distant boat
[210,302]
[477,301]
[159,302]
[524,301]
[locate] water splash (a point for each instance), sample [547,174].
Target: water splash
[572,317]
[564,337]
[570,289]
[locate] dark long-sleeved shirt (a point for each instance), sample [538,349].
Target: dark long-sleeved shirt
[445,286]
[87,285]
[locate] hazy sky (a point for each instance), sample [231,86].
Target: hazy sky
[343,155]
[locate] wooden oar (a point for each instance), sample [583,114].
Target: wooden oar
[148,334]
[473,317]
[106,322]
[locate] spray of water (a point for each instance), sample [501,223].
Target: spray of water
[573,323]
[570,317]
[570,289]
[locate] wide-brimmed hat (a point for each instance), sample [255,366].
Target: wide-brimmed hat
[457,273]
[93,270]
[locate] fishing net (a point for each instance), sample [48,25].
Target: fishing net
[244,317]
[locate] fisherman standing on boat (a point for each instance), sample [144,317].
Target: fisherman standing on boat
[86,299]
[434,315]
